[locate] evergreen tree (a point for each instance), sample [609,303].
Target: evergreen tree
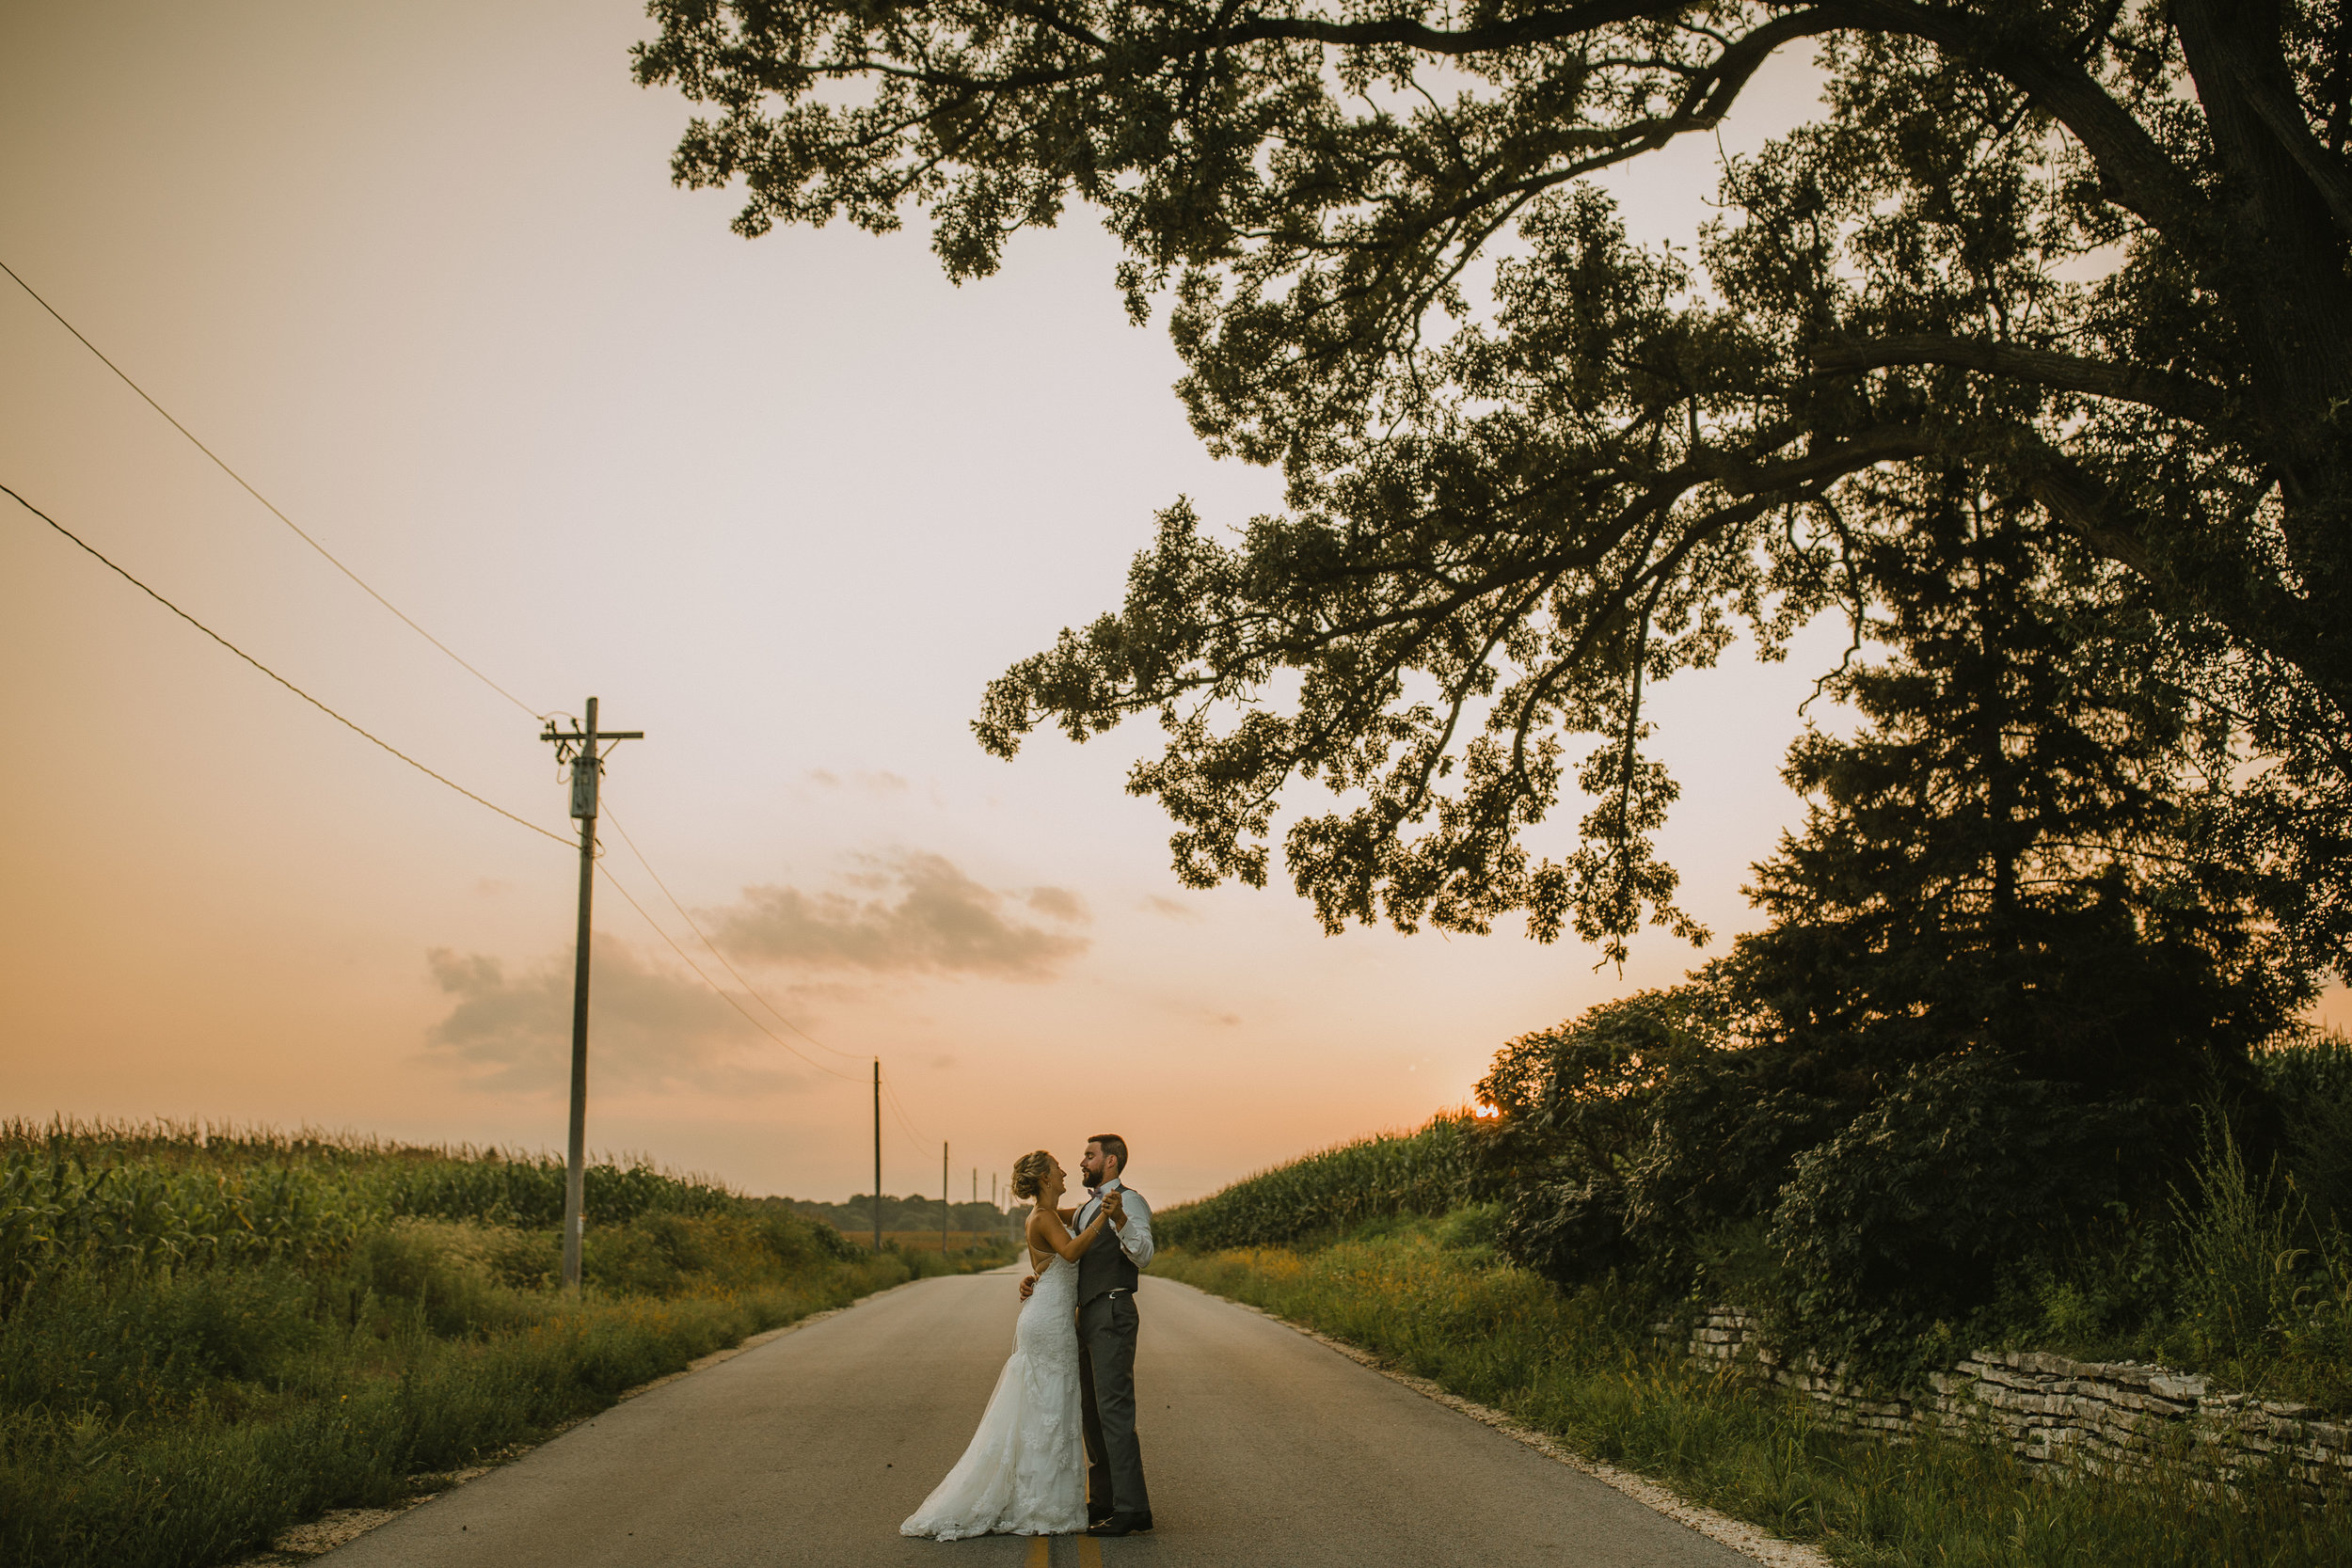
[1997,988]
[1999,985]
[2002,861]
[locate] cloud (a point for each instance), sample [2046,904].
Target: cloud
[872,781]
[922,915]
[649,1028]
[1058,903]
[1168,907]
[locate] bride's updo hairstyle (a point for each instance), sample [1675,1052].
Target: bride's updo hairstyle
[1030,1172]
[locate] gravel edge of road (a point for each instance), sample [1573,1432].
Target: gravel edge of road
[1741,1536]
[310,1542]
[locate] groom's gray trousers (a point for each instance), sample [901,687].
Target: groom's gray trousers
[1106,1375]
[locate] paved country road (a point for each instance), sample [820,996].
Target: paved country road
[1264,1448]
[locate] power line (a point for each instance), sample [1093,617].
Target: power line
[749,1017]
[749,989]
[265,501]
[890,1092]
[897,1108]
[273,674]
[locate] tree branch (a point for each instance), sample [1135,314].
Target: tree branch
[2181,396]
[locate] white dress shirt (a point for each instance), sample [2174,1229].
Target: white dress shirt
[1135,1237]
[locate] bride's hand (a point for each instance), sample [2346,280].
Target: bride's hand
[1026,1286]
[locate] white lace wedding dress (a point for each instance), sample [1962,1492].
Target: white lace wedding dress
[1025,1473]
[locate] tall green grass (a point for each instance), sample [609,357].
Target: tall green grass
[206,1337]
[173,1193]
[1426,1172]
[1431,1297]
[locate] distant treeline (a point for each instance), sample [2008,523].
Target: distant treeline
[912,1212]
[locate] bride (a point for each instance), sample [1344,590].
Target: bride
[1025,1473]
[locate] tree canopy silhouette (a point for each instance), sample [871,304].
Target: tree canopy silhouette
[2094,250]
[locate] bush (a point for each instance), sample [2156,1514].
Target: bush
[1916,1209]
[1962,1203]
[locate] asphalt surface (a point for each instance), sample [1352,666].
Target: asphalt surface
[1262,1447]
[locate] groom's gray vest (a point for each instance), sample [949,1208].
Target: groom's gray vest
[1105,1266]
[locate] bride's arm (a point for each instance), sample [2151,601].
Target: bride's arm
[1056,1236]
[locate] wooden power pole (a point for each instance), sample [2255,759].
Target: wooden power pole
[878,1154]
[578,748]
[943,1197]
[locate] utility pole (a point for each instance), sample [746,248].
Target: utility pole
[578,748]
[943,1197]
[878,1156]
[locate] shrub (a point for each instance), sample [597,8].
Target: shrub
[1919,1207]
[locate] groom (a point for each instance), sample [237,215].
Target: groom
[1117,1503]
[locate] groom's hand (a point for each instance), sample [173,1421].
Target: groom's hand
[1116,1210]
[1027,1285]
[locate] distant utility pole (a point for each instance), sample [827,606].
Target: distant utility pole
[878,1154]
[942,1198]
[579,749]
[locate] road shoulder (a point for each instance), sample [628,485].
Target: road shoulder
[340,1526]
[1737,1534]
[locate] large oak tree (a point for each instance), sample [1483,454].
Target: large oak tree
[2093,250]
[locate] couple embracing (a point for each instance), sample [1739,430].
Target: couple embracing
[1056,1452]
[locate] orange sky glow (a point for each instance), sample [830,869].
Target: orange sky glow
[419,273]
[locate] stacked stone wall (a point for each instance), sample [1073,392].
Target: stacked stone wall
[2052,1410]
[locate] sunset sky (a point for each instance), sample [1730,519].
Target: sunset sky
[419,273]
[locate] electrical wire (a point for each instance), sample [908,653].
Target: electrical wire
[273,674]
[897,1108]
[749,989]
[899,1112]
[749,1017]
[265,501]
[890,1094]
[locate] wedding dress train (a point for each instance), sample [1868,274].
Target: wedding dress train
[1025,1473]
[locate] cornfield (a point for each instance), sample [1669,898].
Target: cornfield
[167,1196]
[59,1209]
[1416,1173]
[207,1333]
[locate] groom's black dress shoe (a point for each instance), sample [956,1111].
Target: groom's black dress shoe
[1123,1524]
